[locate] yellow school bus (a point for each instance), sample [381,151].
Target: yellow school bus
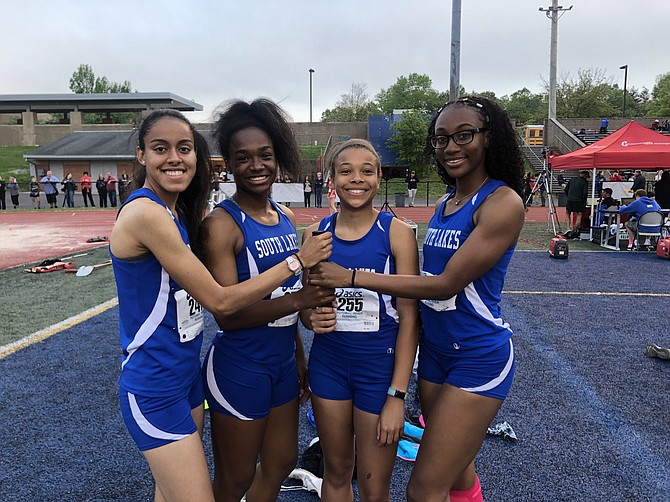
[533,134]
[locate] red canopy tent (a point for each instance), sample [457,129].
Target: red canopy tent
[631,147]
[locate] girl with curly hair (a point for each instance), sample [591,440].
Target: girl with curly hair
[466,357]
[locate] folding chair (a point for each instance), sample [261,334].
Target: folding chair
[649,226]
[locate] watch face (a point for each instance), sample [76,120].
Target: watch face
[293,265]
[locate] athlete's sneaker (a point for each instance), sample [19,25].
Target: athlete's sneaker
[654,350]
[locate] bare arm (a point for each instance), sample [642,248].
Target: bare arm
[145,227]
[224,240]
[498,224]
[392,418]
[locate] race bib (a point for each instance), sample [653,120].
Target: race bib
[357,310]
[190,316]
[290,319]
[439,305]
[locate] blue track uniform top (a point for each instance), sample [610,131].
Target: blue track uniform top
[367,321]
[161,353]
[264,247]
[472,323]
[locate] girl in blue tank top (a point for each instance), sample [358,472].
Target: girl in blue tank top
[365,344]
[253,381]
[466,358]
[162,289]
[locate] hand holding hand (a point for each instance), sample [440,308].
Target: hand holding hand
[323,319]
[313,296]
[329,275]
[315,249]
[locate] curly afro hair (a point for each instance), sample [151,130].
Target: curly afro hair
[503,159]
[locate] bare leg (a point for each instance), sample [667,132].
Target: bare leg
[456,423]
[334,422]
[180,468]
[279,453]
[374,463]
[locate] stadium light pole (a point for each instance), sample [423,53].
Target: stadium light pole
[625,82]
[311,71]
[554,13]
[455,69]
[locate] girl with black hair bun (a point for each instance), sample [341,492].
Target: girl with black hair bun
[162,289]
[466,356]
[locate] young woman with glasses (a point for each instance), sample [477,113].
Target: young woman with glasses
[466,357]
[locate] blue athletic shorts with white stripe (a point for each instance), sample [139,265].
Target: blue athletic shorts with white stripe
[157,421]
[488,374]
[247,389]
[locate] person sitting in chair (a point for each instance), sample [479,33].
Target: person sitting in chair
[605,202]
[641,205]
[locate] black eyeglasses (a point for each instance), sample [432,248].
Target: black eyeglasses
[460,137]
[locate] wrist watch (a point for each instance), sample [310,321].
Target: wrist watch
[396,393]
[294,265]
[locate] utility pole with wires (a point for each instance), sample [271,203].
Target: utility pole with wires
[555,12]
[455,70]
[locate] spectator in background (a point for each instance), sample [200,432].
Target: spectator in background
[639,182]
[101,186]
[124,187]
[318,189]
[600,178]
[662,190]
[3,200]
[111,189]
[35,192]
[13,188]
[307,190]
[412,181]
[527,190]
[577,191]
[50,189]
[655,125]
[86,186]
[616,176]
[604,123]
[69,187]
[641,205]
[605,202]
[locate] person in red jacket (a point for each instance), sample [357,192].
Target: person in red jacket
[85,183]
[111,189]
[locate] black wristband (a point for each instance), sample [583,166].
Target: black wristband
[301,263]
[353,278]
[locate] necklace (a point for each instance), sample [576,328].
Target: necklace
[458,201]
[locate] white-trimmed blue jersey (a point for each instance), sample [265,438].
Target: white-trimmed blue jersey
[472,320]
[161,354]
[264,247]
[367,321]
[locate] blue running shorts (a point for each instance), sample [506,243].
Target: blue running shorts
[157,421]
[339,378]
[488,374]
[247,389]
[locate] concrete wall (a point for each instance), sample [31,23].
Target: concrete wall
[306,133]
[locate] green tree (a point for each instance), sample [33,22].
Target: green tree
[408,139]
[355,106]
[659,105]
[414,92]
[84,81]
[590,94]
[525,107]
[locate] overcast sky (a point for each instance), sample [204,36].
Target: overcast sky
[213,50]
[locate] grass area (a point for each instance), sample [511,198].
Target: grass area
[12,164]
[311,152]
[35,301]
